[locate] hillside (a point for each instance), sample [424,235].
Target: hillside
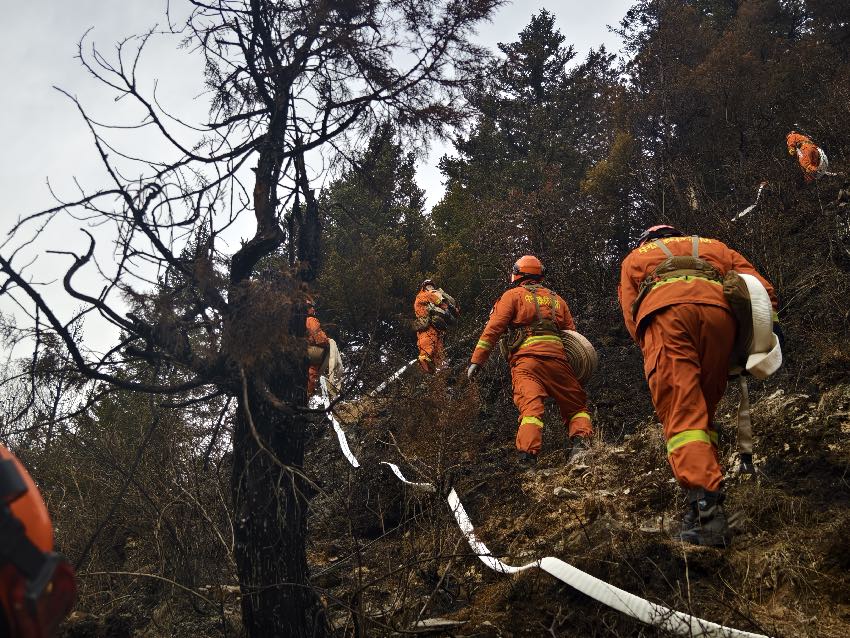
[400,557]
[192,476]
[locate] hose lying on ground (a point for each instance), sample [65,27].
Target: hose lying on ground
[676,622]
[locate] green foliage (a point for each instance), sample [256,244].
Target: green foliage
[564,158]
[543,122]
[714,87]
[379,243]
[571,160]
[127,476]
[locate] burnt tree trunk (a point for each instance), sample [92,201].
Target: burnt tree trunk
[270,512]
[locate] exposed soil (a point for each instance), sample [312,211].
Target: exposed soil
[388,556]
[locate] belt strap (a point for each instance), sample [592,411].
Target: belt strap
[745,424]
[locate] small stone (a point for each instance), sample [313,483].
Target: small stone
[651,526]
[437,623]
[564,492]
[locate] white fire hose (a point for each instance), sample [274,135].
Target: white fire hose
[676,622]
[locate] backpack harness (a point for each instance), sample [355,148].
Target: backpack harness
[540,330]
[440,318]
[735,292]
[676,268]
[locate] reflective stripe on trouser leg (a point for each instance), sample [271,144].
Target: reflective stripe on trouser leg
[312,379]
[580,424]
[529,435]
[686,350]
[690,436]
[430,345]
[528,398]
[555,378]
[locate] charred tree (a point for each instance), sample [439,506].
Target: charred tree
[294,86]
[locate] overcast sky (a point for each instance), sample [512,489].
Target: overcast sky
[43,137]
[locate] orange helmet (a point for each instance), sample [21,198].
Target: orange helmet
[527,266]
[37,586]
[658,231]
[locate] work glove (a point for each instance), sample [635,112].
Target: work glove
[472,370]
[777,330]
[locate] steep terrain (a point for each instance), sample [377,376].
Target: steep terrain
[392,557]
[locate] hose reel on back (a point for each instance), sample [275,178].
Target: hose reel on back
[757,351]
[581,354]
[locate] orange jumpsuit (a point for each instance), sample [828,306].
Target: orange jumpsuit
[430,340]
[807,154]
[686,332]
[539,368]
[315,337]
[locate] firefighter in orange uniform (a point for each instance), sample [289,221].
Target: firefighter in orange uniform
[536,315]
[435,311]
[37,586]
[671,294]
[812,159]
[315,337]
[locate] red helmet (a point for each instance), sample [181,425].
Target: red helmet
[37,586]
[656,232]
[527,266]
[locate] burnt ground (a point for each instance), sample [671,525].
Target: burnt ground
[386,557]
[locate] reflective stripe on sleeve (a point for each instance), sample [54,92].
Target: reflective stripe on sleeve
[580,415]
[689,436]
[531,419]
[483,343]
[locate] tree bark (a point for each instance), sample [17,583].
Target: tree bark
[270,512]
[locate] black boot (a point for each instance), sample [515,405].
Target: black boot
[745,465]
[689,520]
[706,523]
[526,460]
[580,448]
